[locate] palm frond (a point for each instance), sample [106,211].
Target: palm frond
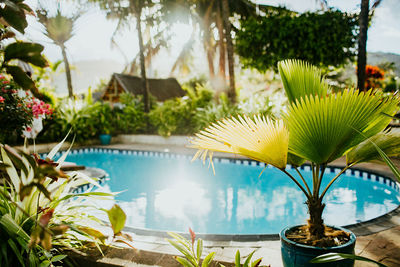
[387,141]
[323,129]
[259,138]
[301,79]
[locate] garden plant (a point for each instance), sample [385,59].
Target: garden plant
[319,127]
[41,218]
[193,252]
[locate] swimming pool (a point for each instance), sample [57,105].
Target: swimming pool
[165,191]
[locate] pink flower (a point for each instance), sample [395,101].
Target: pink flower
[192,234]
[2,99]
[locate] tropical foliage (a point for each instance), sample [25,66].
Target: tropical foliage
[319,126]
[192,251]
[13,17]
[39,216]
[323,39]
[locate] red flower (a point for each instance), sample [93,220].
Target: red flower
[192,234]
[45,218]
[2,99]
[40,161]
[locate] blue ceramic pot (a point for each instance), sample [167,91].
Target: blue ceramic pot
[299,255]
[105,139]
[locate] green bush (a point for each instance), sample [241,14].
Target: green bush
[323,39]
[178,116]
[215,111]
[130,118]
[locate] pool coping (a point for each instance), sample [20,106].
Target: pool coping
[381,223]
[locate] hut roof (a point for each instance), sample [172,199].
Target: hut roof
[161,89]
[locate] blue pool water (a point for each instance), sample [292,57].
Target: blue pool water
[164,191]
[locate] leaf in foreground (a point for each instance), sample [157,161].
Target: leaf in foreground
[117,218]
[331,257]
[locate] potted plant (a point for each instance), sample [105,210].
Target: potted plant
[319,126]
[105,119]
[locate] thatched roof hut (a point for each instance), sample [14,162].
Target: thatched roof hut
[161,89]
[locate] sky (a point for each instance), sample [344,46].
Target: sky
[93,31]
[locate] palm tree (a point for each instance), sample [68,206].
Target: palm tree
[318,127]
[362,45]
[229,49]
[207,16]
[60,29]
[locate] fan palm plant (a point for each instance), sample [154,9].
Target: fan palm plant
[318,127]
[60,29]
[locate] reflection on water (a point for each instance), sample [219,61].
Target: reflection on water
[173,194]
[184,202]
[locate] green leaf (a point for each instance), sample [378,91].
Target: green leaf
[11,171]
[295,160]
[331,257]
[324,129]
[17,252]
[20,77]
[117,218]
[301,79]
[45,263]
[58,258]
[184,262]
[199,248]
[15,17]
[391,165]
[57,147]
[28,52]
[181,240]
[207,260]
[248,259]
[4,252]
[387,141]
[16,159]
[93,232]
[256,263]
[54,203]
[237,259]
[182,250]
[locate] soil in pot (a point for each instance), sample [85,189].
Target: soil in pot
[333,237]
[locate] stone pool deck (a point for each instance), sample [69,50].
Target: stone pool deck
[378,239]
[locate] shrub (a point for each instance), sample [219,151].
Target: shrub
[130,117]
[39,216]
[178,116]
[373,77]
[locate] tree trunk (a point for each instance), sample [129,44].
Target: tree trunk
[222,47]
[67,72]
[145,84]
[362,45]
[315,222]
[229,47]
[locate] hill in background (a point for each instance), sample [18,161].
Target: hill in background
[90,73]
[375,58]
